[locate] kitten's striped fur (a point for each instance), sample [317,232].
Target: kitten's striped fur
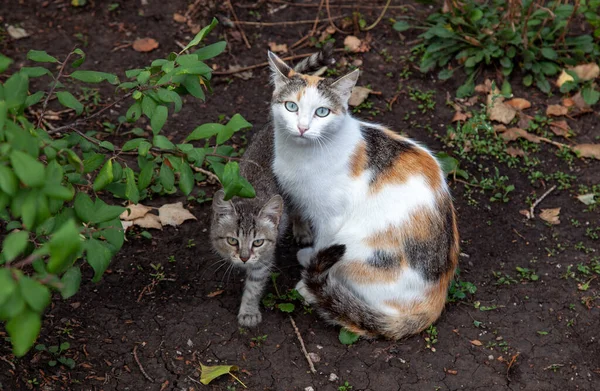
[386,240]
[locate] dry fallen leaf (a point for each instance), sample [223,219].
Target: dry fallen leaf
[135,211]
[148,221]
[126,225]
[519,103]
[587,72]
[460,116]
[560,128]
[484,88]
[277,48]
[568,102]
[174,214]
[179,18]
[352,43]
[515,133]
[499,111]
[525,213]
[551,215]
[215,293]
[476,342]
[588,150]
[500,128]
[563,78]
[246,75]
[17,32]
[514,152]
[587,199]
[359,94]
[556,110]
[145,45]
[580,103]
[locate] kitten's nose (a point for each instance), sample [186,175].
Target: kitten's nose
[244,259]
[302,129]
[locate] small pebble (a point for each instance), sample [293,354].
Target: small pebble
[309,388]
[490,357]
[314,357]
[333,377]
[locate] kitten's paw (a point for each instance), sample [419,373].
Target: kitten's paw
[302,233]
[249,319]
[303,290]
[304,256]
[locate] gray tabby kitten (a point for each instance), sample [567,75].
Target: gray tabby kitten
[246,231]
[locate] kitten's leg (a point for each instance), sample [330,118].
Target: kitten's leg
[301,230]
[256,280]
[304,256]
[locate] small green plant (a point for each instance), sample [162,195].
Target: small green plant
[345,387]
[190,243]
[424,99]
[527,274]
[258,340]
[347,337]
[171,259]
[431,337]
[283,302]
[58,354]
[459,289]
[503,278]
[113,7]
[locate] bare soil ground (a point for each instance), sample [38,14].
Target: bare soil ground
[522,335]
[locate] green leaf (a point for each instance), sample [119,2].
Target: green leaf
[36,295]
[527,80]
[132,144]
[144,148]
[549,53]
[159,117]
[231,180]
[14,244]
[77,63]
[134,112]
[186,179]
[93,162]
[590,95]
[34,99]
[145,177]
[84,207]
[445,74]
[105,212]
[28,169]
[4,63]
[347,337]
[131,191]
[3,112]
[543,84]
[205,131]
[210,51]
[74,160]
[7,285]
[506,89]
[70,282]
[105,176]
[40,56]
[238,122]
[208,374]
[65,243]
[35,71]
[68,100]
[466,89]
[98,255]
[402,25]
[15,89]
[56,191]
[8,181]
[13,305]
[192,85]
[29,210]
[201,34]
[169,96]
[23,330]
[166,177]
[162,142]
[286,307]
[95,77]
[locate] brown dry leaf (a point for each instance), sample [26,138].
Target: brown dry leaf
[515,133]
[476,342]
[215,293]
[499,128]
[135,211]
[556,110]
[17,32]
[588,150]
[460,116]
[359,94]
[587,199]
[519,103]
[352,43]
[580,102]
[179,18]
[563,78]
[514,152]
[472,100]
[126,225]
[145,45]
[560,128]
[499,111]
[278,48]
[587,72]
[551,215]
[484,88]
[148,221]
[174,214]
[568,102]
[525,213]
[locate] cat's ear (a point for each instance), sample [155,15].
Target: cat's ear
[220,206]
[272,210]
[344,84]
[280,71]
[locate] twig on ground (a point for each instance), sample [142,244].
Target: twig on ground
[387,5]
[537,202]
[237,22]
[310,363]
[195,381]
[521,236]
[314,28]
[290,22]
[212,177]
[8,362]
[510,364]
[352,6]
[331,19]
[137,360]
[60,72]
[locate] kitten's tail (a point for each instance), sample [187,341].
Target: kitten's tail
[339,305]
[317,60]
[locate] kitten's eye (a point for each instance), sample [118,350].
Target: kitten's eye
[322,112]
[232,241]
[291,106]
[258,242]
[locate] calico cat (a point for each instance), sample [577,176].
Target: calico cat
[246,231]
[385,234]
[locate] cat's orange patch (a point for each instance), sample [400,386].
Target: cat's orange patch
[311,80]
[413,162]
[418,227]
[364,274]
[358,160]
[291,73]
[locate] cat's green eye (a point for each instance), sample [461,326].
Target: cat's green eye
[291,106]
[258,242]
[322,112]
[232,241]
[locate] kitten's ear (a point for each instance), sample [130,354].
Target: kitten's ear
[220,206]
[279,69]
[272,209]
[345,84]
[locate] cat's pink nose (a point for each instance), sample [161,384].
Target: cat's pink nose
[302,130]
[244,259]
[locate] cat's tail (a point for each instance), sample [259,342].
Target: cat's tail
[339,305]
[317,60]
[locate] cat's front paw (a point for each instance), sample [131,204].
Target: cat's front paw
[303,290]
[302,233]
[249,319]
[304,256]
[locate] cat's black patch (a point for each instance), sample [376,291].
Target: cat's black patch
[326,258]
[382,151]
[383,259]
